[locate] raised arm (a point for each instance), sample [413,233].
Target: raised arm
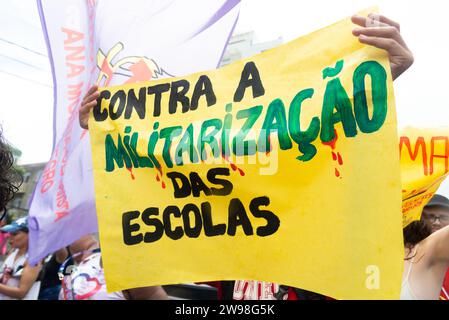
[438,245]
[29,276]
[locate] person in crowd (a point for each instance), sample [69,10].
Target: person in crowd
[85,279]
[436,216]
[426,253]
[4,236]
[18,279]
[375,30]
[50,283]
[10,179]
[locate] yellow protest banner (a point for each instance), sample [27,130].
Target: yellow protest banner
[424,166]
[282,167]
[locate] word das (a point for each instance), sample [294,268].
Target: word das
[193,184]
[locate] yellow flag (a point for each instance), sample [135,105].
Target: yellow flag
[424,166]
[282,167]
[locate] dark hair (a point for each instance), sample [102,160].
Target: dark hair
[10,179]
[415,232]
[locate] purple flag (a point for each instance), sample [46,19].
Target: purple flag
[110,42]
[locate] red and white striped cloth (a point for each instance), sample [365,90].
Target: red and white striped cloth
[444,295]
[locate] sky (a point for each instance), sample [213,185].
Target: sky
[421,93]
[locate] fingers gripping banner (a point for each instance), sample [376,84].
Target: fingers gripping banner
[282,168]
[424,166]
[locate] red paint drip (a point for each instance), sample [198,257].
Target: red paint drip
[334,156]
[337,173]
[340,159]
[233,166]
[131,171]
[225,158]
[332,143]
[269,143]
[160,176]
